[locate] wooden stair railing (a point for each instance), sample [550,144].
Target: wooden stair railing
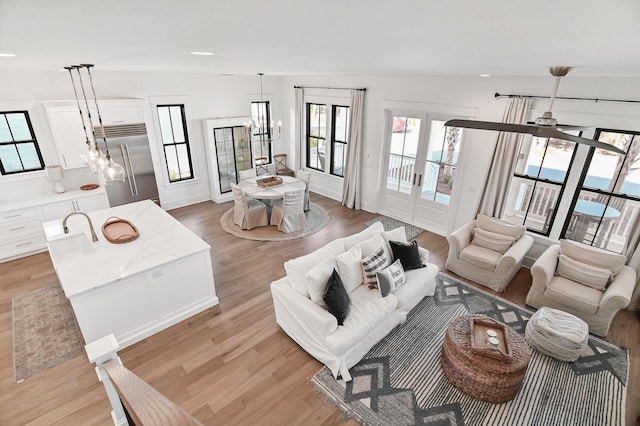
[142,403]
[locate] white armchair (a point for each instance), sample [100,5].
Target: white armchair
[550,286]
[490,256]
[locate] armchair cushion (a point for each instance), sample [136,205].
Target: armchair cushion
[593,256]
[573,295]
[481,257]
[583,273]
[491,240]
[491,224]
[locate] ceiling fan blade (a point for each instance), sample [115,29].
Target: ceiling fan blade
[539,131]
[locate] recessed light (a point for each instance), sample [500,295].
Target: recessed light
[485,75]
[202,53]
[7,55]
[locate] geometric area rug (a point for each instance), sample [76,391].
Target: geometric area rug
[45,331]
[400,381]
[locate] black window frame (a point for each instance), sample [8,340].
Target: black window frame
[33,141]
[309,136]
[175,144]
[335,140]
[256,130]
[608,194]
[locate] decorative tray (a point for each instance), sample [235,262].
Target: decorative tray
[119,231]
[89,186]
[269,181]
[480,344]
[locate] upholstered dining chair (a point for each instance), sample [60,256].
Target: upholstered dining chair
[288,214]
[306,178]
[281,165]
[247,213]
[247,174]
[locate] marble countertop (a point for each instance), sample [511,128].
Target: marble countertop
[68,195]
[162,240]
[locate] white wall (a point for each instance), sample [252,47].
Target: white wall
[205,95]
[475,93]
[211,96]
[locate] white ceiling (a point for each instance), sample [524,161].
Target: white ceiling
[339,37]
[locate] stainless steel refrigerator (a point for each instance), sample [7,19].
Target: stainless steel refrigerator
[129,147]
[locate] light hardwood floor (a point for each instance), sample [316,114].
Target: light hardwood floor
[230,364]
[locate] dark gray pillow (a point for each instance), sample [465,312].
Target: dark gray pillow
[407,253]
[336,298]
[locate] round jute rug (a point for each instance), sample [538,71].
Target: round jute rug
[317,218]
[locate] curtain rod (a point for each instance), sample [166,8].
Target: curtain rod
[328,88]
[498,95]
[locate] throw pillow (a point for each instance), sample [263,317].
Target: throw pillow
[390,278]
[582,273]
[317,278]
[397,234]
[370,231]
[593,256]
[408,254]
[492,224]
[336,298]
[370,265]
[348,265]
[372,245]
[491,240]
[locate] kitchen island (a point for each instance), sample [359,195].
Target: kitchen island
[135,289]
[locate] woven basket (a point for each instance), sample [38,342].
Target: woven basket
[484,378]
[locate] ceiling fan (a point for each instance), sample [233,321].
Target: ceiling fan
[544,127]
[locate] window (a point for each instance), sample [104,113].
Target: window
[318,148]
[262,130]
[538,182]
[340,128]
[175,141]
[606,205]
[233,154]
[316,136]
[19,150]
[441,162]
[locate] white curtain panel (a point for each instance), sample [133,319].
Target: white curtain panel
[494,195]
[632,251]
[351,185]
[299,126]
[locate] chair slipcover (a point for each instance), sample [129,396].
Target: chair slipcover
[494,269]
[596,308]
[248,214]
[247,174]
[306,178]
[288,214]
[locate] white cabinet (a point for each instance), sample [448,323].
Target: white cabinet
[20,232]
[136,307]
[60,209]
[66,124]
[68,135]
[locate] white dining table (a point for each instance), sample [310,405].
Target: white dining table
[252,190]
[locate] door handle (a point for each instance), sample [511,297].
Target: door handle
[125,163]
[414,179]
[132,173]
[420,181]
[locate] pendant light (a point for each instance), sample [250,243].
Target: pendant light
[93,154]
[265,130]
[112,172]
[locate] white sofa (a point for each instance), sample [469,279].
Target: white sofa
[371,317]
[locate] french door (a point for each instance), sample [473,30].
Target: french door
[421,159]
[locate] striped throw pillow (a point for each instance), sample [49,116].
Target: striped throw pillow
[371,264]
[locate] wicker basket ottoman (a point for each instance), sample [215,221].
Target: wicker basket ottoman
[557,334]
[484,378]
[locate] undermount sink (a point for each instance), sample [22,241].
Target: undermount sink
[68,248]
